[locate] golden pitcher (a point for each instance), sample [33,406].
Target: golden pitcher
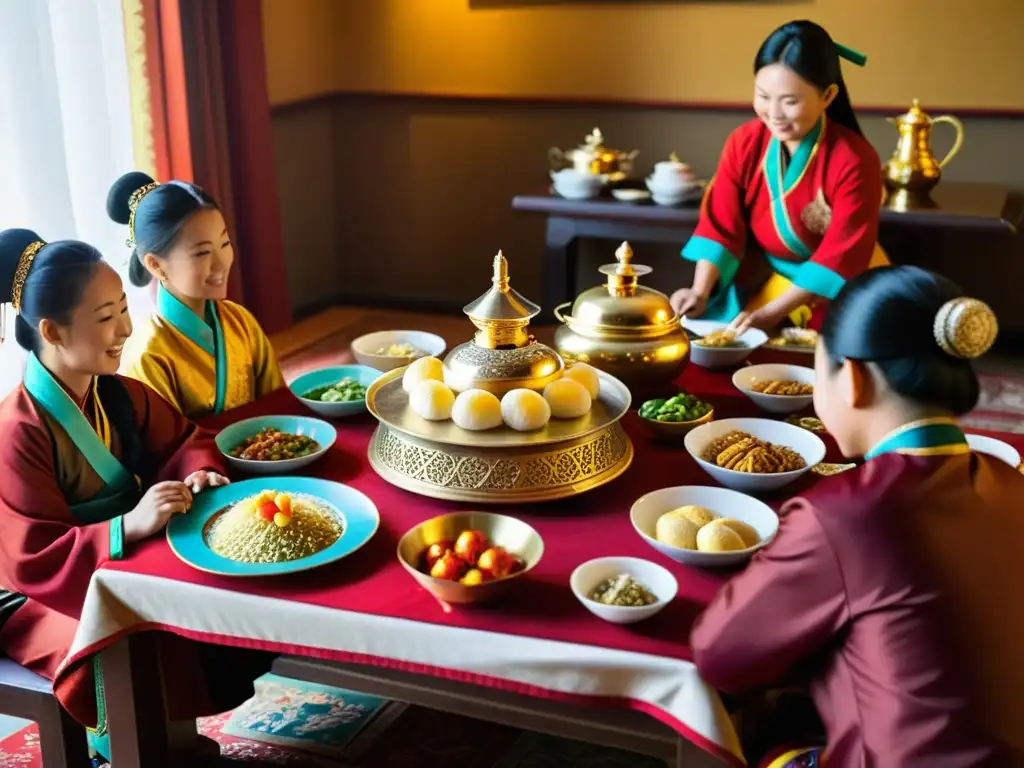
[913,169]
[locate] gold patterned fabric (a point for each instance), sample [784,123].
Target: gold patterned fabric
[185,375]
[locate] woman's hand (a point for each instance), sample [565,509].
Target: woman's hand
[197,481]
[759,318]
[155,509]
[688,302]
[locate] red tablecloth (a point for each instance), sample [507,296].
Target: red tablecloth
[590,525]
[593,524]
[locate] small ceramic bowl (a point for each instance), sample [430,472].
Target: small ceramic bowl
[746,378]
[656,579]
[675,429]
[573,185]
[807,444]
[993,447]
[308,382]
[514,535]
[722,501]
[721,357]
[231,437]
[630,195]
[366,349]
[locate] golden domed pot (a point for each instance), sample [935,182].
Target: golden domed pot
[625,329]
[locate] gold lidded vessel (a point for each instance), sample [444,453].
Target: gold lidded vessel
[502,355]
[626,329]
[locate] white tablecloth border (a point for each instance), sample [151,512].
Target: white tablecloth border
[118,601]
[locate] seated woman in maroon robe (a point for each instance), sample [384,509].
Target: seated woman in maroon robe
[91,463]
[892,590]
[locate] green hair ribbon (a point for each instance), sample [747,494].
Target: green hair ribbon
[852,56]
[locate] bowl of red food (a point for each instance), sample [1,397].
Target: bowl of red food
[470,557]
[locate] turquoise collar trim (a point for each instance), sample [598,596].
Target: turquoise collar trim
[185,320]
[929,437]
[52,398]
[208,335]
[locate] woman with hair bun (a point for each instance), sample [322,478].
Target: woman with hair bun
[890,589]
[792,212]
[92,463]
[202,353]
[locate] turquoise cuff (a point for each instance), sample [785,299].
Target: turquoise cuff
[700,248]
[815,278]
[117,538]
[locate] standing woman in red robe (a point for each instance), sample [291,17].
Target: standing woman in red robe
[91,462]
[891,590]
[792,212]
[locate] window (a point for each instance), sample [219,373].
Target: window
[65,133]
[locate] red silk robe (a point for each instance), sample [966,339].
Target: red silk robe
[48,555]
[893,591]
[811,221]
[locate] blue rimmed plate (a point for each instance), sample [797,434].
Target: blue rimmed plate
[185,533]
[324,377]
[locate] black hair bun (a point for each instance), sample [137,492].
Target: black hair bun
[13,243]
[120,191]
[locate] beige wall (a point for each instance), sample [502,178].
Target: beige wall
[947,53]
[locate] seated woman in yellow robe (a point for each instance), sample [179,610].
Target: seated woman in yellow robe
[202,353]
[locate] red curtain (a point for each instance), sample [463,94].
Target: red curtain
[210,123]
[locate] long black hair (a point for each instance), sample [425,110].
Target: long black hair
[159,216]
[51,290]
[808,50]
[887,316]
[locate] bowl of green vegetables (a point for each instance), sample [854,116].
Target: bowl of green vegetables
[675,416]
[337,391]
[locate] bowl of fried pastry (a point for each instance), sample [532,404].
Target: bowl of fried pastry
[754,455]
[716,345]
[782,389]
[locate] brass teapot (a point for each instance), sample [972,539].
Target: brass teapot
[913,169]
[593,157]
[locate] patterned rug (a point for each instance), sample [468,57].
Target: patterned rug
[291,724]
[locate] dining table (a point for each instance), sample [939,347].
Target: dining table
[536,659]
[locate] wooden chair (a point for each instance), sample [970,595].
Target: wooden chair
[27,695]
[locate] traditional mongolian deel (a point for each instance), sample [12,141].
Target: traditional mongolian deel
[769,221]
[202,365]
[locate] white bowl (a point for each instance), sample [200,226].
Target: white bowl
[573,185]
[807,444]
[723,502]
[992,447]
[231,436]
[658,581]
[671,186]
[722,357]
[630,195]
[745,378]
[365,348]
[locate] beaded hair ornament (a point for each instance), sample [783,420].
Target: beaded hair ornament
[965,328]
[18,284]
[133,203]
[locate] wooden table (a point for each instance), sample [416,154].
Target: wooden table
[983,208]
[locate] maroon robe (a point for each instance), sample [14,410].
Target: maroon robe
[49,556]
[893,592]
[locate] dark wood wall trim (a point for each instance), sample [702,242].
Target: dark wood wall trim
[594,102]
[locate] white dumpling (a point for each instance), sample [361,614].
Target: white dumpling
[568,399]
[525,410]
[477,410]
[432,400]
[586,375]
[424,369]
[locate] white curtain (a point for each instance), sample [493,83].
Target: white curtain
[65,132]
